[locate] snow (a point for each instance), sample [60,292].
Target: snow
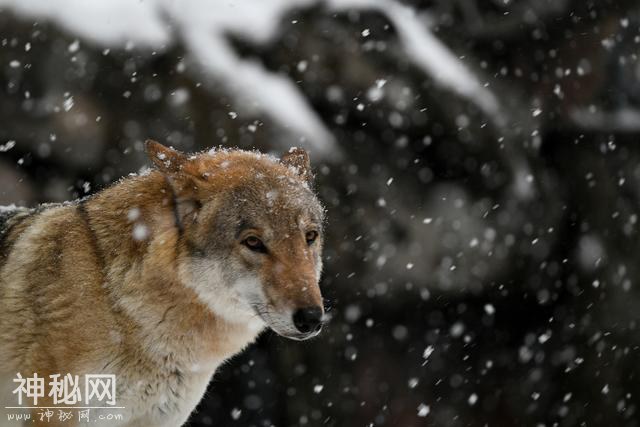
[107,22]
[457,329]
[622,120]
[140,232]
[8,209]
[68,103]
[489,309]
[7,146]
[543,338]
[473,399]
[235,413]
[428,352]
[423,410]
[133,214]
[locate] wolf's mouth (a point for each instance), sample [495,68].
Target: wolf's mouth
[283,328]
[301,337]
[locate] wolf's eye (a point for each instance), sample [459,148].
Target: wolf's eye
[311,237]
[255,244]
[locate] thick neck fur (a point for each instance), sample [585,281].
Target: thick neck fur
[143,249]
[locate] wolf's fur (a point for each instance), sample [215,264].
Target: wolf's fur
[150,279]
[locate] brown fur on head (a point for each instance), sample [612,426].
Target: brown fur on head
[252,234]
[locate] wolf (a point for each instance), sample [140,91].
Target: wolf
[160,278]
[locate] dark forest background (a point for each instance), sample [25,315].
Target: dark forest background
[482,258]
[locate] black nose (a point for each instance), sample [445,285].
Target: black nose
[308,319]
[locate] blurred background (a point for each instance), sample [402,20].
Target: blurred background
[479,161]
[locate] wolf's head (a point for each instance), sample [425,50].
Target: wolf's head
[251,235]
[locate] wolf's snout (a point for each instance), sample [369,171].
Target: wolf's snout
[308,319]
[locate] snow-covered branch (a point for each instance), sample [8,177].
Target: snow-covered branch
[428,52]
[203,26]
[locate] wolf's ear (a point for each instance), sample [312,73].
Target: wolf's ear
[164,158]
[179,173]
[298,159]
